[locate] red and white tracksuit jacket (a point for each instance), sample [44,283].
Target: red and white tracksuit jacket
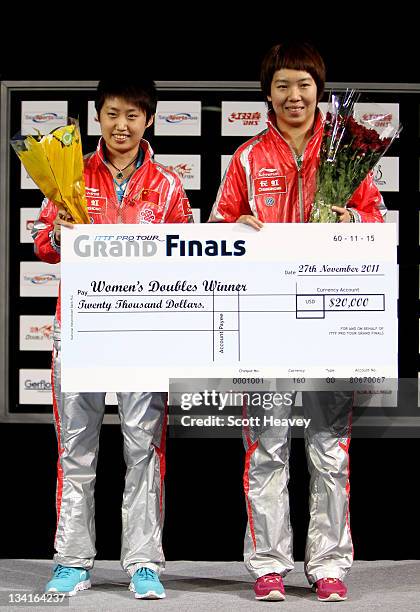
[154,194]
[264,179]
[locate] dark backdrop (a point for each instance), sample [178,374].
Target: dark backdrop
[205,511]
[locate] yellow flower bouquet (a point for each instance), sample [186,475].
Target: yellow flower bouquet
[55,164]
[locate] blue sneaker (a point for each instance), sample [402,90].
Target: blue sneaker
[68,580]
[146,584]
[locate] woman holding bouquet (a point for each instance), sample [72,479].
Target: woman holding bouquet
[272,179]
[123,185]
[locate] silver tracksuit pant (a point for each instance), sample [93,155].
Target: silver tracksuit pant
[268,539]
[78,418]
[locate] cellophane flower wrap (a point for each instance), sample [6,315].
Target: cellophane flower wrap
[55,163]
[350,148]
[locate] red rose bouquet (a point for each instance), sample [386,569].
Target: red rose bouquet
[349,150]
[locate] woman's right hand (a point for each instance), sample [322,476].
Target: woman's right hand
[63,218]
[251,221]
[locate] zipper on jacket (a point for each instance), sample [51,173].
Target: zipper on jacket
[120,204]
[299,168]
[300,190]
[125,191]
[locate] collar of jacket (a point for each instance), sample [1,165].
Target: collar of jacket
[145,145]
[273,129]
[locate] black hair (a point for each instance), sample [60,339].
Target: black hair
[140,91]
[295,55]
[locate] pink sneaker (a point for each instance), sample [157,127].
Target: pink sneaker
[331,589]
[270,588]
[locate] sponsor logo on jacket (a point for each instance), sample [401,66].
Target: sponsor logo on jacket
[268,172]
[147,216]
[270,184]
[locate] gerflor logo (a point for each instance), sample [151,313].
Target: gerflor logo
[38,385]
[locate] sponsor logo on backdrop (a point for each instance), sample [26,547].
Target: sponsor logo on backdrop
[39,333]
[42,115]
[39,384]
[182,118]
[39,279]
[35,387]
[36,332]
[245,118]
[377,119]
[386,174]
[187,167]
[184,171]
[380,117]
[176,117]
[378,176]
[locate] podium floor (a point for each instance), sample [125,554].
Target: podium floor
[195,586]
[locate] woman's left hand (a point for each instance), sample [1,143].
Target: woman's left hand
[343,214]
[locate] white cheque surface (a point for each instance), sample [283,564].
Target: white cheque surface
[142,304]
